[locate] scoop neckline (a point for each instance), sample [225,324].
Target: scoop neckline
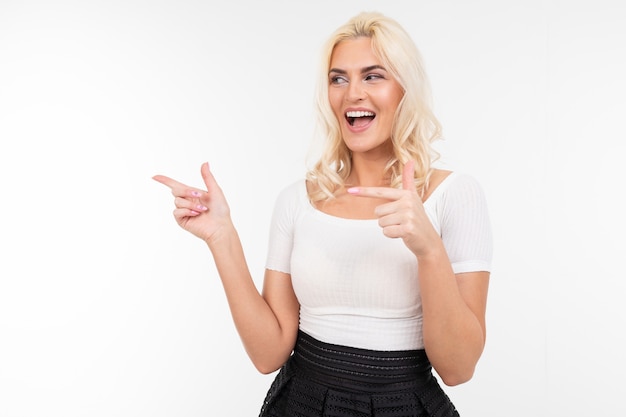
[305,195]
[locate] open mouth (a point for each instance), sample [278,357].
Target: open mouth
[359,118]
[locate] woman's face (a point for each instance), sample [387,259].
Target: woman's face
[363,96]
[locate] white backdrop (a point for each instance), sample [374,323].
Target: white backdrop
[107,308]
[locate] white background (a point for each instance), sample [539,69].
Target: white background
[108,308]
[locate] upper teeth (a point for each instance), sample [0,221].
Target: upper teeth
[359,113]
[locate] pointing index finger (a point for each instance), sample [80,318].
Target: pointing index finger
[178,189]
[378,192]
[167,181]
[408,184]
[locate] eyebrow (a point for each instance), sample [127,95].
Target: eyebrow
[363,70]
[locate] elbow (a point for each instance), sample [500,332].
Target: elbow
[457,371]
[266,369]
[267,366]
[452,379]
[267,361]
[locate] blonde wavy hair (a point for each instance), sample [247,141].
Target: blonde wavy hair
[415,126]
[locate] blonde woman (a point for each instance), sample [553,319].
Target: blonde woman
[378,264]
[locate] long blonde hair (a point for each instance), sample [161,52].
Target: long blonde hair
[415,126]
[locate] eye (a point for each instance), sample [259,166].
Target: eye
[374,77]
[338,79]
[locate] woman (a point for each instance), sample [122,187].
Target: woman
[378,263]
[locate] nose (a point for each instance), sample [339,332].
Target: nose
[356,92]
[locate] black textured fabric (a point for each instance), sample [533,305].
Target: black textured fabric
[325,380]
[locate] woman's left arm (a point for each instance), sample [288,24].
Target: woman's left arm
[453,305]
[453,316]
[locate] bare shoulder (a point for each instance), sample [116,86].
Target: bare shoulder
[436,178]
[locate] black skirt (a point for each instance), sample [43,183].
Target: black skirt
[326,380]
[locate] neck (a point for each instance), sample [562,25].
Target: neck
[368,173]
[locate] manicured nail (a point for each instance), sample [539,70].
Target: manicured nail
[201,207]
[353,190]
[194,213]
[195,194]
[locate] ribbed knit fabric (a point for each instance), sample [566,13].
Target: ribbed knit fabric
[357,287]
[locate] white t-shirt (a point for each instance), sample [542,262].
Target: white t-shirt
[357,287]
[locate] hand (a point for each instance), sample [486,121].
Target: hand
[202,213]
[404,216]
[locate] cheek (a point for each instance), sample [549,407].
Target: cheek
[335,102]
[398,96]
[393,98]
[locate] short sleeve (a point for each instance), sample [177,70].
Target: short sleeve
[465,226]
[282,228]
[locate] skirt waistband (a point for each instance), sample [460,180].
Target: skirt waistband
[360,369]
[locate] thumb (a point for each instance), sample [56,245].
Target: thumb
[408,176]
[207,176]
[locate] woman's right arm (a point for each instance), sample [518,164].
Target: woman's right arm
[267,323]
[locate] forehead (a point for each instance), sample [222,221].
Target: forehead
[353,53]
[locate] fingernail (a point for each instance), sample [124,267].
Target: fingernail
[201,207]
[194,213]
[195,194]
[353,190]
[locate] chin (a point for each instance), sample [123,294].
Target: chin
[361,146]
